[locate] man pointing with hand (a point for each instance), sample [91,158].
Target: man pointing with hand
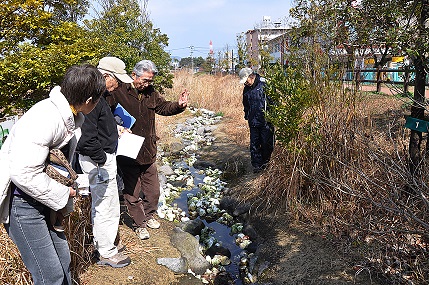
[142,101]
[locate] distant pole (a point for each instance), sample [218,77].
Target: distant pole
[232,61]
[192,59]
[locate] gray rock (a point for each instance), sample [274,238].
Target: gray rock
[179,128]
[241,209]
[177,265]
[191,121]
[250,232]
[176,147]
[188,128]
[178,183]
[194,227]
[188,246]
[218,250]
[200,131]
[202,164]
[227,203]
[210,128]
[166,169]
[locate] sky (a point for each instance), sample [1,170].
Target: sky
[193,23]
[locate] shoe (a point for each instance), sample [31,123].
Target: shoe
[117,261]
[56,219]
[153,224]
[121,247]
[142,233]
[58,226]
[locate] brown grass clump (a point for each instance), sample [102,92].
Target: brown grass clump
[13,270]
[353,182]
[79,235]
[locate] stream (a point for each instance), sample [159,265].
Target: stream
[189,193]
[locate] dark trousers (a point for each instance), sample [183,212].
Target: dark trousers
[261,145]
[141,189]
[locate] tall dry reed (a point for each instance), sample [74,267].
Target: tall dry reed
[221,94]
[353,181]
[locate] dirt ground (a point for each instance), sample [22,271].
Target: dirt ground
[291,253]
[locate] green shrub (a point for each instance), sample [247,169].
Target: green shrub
[291,97]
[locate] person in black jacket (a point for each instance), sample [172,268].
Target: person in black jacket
[97,158]
[255,103]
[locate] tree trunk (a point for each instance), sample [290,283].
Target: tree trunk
[417,110]
[378,76]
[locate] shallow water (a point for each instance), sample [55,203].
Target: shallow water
[222,233]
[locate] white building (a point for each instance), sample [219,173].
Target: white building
[263,35]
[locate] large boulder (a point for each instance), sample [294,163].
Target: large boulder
[194,227]
[188,246]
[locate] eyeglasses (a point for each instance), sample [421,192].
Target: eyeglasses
[145,80]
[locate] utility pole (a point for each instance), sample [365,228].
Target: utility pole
[192,59]
[232,61]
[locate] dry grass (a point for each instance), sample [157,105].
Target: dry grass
[354,183]
[12,269]
[221,94]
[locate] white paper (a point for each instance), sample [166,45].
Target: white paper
[129,145]
[82,180]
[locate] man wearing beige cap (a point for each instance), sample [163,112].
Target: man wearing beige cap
[97,158]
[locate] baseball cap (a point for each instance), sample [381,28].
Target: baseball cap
[244,74]
[115,66]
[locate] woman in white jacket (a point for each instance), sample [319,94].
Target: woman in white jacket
[51,123]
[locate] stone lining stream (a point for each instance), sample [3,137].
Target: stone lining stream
[192,191]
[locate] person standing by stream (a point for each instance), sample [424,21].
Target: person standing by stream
[50,123]
[140,175]
[256,103]
[97,158]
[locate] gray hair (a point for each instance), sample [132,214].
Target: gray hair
[145,66]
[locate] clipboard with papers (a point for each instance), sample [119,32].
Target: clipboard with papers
[129,145]
[127,119]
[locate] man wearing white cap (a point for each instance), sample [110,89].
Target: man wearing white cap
[255,104]
[97,158]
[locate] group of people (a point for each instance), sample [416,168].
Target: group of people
[78,118]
